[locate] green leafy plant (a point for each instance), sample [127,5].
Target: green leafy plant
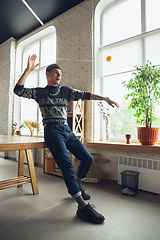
[15,125]
[145,92]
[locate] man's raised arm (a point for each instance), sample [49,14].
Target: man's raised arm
[30,67]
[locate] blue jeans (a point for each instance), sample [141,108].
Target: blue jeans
[60,139]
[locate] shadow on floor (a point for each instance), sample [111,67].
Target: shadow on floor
[113,187]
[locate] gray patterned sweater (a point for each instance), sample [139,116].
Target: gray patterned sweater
[52,101]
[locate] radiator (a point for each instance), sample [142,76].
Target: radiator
[149,169]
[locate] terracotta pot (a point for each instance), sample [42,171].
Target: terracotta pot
[147,135]
[18,132]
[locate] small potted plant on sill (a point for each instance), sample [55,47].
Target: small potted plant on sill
[145,92]
[15,126]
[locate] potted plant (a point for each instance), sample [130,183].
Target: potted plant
[15,126]
[145,92]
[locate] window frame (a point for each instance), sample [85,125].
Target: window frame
[100,12]
[21,46]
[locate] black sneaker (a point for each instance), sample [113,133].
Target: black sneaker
[85,195]
[89,214]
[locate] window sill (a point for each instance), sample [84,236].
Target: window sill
[117,146]
[37,136]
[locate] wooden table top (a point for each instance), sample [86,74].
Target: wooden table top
[12,143]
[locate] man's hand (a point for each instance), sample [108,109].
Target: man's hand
[30,67]
[112,103]
[31,63]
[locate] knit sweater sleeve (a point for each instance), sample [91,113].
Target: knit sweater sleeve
[21,91]
[75,95]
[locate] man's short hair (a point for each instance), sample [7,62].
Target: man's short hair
[52,66]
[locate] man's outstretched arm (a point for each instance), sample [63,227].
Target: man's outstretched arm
[110,102]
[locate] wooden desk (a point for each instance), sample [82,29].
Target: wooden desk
[24,145]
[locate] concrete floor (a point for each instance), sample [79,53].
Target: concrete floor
[51,213]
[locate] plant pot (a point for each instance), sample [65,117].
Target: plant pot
[147,135]
[18,133]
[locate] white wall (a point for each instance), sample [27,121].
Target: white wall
[112,167]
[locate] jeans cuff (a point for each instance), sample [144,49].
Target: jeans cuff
[77,194]
[80,179]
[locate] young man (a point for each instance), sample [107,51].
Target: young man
[59,138]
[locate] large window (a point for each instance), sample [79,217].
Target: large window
[130,34]
[45,49]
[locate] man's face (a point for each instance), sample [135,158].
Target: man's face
[54,77]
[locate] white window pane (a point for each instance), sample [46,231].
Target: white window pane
[114,89]
[28,110]
[29,116]
[121,119]
[152,48]
[30,50]
[124,57]
[42,77]
[41,127]
[25,131]
[32,80]
[48,50]
[156,123]
[29,106]
[45,50]
[152,14]
[122,21]
[42,83]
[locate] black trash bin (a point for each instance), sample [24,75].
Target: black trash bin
[129,182]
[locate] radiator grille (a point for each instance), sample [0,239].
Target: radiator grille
[140,162]
[149,169]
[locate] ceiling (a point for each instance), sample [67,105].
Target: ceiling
[16,20]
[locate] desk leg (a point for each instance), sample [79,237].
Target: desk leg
[21,164]
[32,171]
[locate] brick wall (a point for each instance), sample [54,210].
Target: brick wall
[74,51]
[74,30]
[7,65]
